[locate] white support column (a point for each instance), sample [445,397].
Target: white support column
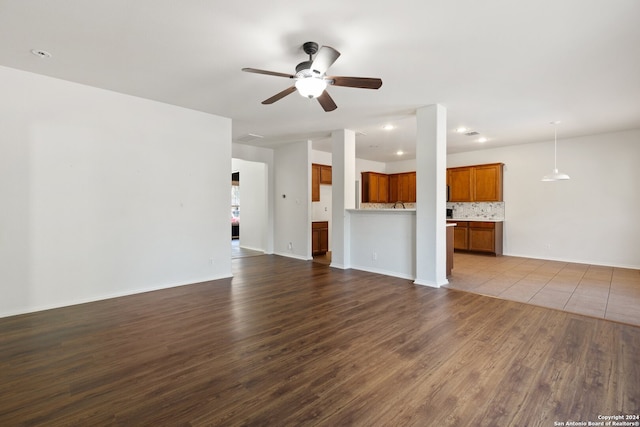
[431,202]
[343,164]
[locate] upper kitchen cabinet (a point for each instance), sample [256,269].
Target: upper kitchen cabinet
[320,174]
[325,174]
[459,182]
[488,183]
[315,182]
[402,187]
[375,187]
[478,183]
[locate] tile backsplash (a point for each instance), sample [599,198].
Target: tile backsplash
[477,210]
[461,210]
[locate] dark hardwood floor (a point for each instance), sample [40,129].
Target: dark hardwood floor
[289,342]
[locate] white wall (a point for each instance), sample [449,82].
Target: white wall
[369,166]
[401,166]
[292,177]
[253,203]
[266,157]
[592,218]
[105,194]
[321,157]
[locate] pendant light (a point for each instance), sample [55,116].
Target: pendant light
[555,176]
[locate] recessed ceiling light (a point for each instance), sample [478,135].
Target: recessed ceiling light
[461,129]
[41,53]
[399,152]
[388,127]
[483,139]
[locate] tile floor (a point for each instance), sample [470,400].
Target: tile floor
[606,292]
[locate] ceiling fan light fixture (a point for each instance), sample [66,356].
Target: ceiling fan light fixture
[311,87]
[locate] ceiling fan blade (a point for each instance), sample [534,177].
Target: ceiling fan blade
[268,73]
[279,95]
[359,82]
[324,59]
[327,102]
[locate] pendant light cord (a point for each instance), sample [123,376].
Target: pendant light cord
[555,146]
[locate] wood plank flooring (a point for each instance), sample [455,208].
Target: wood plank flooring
[290,342]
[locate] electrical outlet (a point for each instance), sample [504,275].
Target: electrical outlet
[290,246]
[374,256]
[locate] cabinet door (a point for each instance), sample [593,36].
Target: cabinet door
[482,237]
[325,174]
[319,237]
[488,183]
[373,187]
[408,187]
[412,187]
[365,183]
[394,188]
[315,242]
[315,182]
[459,180]
[461,236]
[323,235]
[383,188]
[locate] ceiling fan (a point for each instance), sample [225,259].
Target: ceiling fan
[311,81]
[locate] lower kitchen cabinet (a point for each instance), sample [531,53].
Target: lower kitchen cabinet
[478,236]
[461,235]
[319,237]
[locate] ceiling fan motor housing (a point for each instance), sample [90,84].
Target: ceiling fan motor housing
[310,48]
[303,69]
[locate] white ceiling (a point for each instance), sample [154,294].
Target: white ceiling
[503,68]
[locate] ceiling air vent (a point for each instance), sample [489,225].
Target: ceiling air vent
[472,133]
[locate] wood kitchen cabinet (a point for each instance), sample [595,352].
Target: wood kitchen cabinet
[325,174]
[319,237]
[320,174]
[487,183]
[375,187]
[315,182]
[402,187]
[459,182]
[485,237]
[479,183]
[478,236]
[460,235]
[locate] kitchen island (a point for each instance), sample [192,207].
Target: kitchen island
[384,241]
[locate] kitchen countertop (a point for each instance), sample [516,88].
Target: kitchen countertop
[381,210]
[475,220]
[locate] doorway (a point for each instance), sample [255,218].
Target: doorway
[248,208]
